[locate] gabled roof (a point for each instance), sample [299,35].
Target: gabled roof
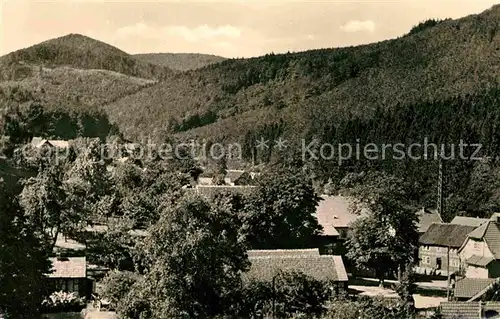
[479,261]
[484,290]
[469,310]
[468,221]
[492,238]
[234,174]
[462,310]
[445,235]
[468,287]
[38,141]
[59,143]
[479,232]
[334,212]
[68,267]
[490,233]
[323,268]
[283,252]
[426,217]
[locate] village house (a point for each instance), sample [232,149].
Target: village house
[69,274]
[206,178]
[237,177]
[335,214]
[436,243]
[427,217]
[468,221]
[266,265]
[469,289]
[209,191]
[39,142]
[480,253]
[469,310]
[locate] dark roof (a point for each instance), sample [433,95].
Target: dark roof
[468,221]
[283,252]
[324,268]
[469,287]
[426,217]
[461,310]
[68,267]
[445,235]
[479,261]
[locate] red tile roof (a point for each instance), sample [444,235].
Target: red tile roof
[68,267]
[335,212]
[468,287]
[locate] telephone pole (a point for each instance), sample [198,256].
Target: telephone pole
[440,211]
[440,189]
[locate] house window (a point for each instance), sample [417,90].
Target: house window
[426,260]
[476,245]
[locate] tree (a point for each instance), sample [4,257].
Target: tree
[116,285]
[23,262]
[43,200]
[195,256]
[387,238]
[281,213]
[406,287]
[292,293]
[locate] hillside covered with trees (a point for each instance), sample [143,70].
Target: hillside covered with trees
[180,61]
[396,91]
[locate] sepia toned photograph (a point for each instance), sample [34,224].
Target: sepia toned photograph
[249,159]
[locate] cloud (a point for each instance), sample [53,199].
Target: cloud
[134,30]
[204,32]
[195,34]
[356,26]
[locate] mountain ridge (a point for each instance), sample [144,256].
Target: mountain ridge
[433,61]
[81,52]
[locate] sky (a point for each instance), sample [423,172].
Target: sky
[233,28]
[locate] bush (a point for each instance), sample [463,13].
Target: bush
[294,294]
[63,302]
[116,285]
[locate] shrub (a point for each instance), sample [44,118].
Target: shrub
[63,301]
[294,294]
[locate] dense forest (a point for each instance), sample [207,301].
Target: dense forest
[431,84]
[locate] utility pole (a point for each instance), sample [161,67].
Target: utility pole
[440,189]
[448,271]
[274,296]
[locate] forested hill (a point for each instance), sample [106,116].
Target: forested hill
[180,61]
[435,61]
[77,51]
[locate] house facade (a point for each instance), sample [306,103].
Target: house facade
[427,217]
[480,253]
[267,264]
[440,244]
[69,274]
